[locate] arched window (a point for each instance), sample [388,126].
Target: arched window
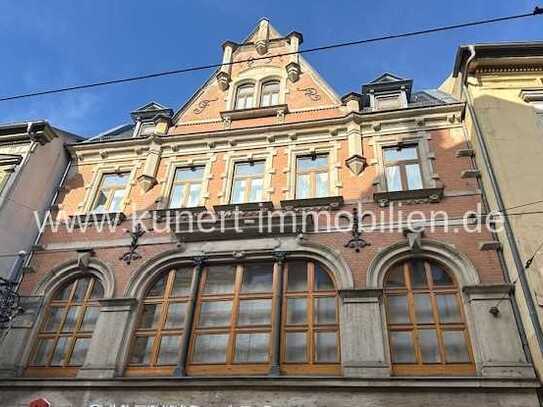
[65,334]
[426,323]
[269,95]
[157,340]
[245,96]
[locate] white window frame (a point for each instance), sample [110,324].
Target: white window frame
[257,76]
[97,180]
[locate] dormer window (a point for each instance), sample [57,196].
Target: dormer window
[388,102]
[269,95]
[245,97]
[147,128]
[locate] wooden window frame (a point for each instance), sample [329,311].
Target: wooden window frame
[313,172]
[186,186]
[110,191]
[248,181]
[419,368]
[402,164]
[263,93]
[65,370]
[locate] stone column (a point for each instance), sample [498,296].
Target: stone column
[494,332]
[110,336]
[362,334]
[15,342]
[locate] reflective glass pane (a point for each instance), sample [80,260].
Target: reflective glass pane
[321,188]
[176,196]
[414,179]
[189,174]
[114,180]
[429,348]
[297,276]
[252,348]
[303,186]
[254,312]
[60,350]
[81,289]
[157,290]
[176,315]
[449,310]
[64,293]
[309,163]
[324,310]
[256,190]
[90,318]
[401,344]
[141,351]
[398,312]
[255,168]
[439,276]
[322,278]
[43,351]
[394,178]
[182,282]
[296,311]
[97,290]
[71,319]
[257,277]
[210,348]
[54,318]
[220,280]
[395,277]
[194,195]
[296,347]
[326,347]
[423,308]
[100,202]
[80,351]
[150,316]
[169,350]
[215,313]
[116,201]
[418,274]
[238,191]
[404,153]
[455,347]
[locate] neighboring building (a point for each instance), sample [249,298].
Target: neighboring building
[301,316]
[32,162]
[503,87]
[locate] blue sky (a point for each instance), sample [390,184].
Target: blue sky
[48,44]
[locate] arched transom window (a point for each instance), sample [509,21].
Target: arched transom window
[269,94]
[66,331]
[426,324]
[245,96]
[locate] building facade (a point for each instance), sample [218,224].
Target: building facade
[204,304]
[503,88]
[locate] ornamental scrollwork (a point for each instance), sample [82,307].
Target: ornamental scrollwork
[311,93]
[202,105]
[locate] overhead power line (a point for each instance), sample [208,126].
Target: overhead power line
[536,11]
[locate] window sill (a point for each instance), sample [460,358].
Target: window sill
[329,202]
[91,218]
[254,113]
[426,195]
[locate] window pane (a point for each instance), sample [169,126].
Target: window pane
[439,276]
[429,348]
[220,280]
[141,352]
[455,347]
[256,190]
[394,179]
[54,319]
[71,319]
[423,308]
[194,195]
[401,345]
[238,191]
[296,348]
[186,174]
[176,315]
[322,278]
[80,351]
[322,188]
[158,288]
[169,350]
[216,313]
[414,179]
[257,277]
[43,351]
[244,97]
[97,290]
[255,168]
[114,180]
[325,310]
[182,282]
[100,203]
[60,350]
[116,201]
[404,153]
[90,318]
[81,289]
[210,348]
[418,274]
[297,276]
[176,196]
[303,189]
[308,163]
[326,346]
[64,293]
[448,308]
[397,309]
[254,312]
[296,311]
[150,316]
[395,277]
[252,347]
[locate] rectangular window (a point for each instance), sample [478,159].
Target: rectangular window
[388,102]
[248,182]
[312,179]
[111,193]
[402,168]
[187,187]
[147,128]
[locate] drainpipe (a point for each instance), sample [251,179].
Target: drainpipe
[519,264]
